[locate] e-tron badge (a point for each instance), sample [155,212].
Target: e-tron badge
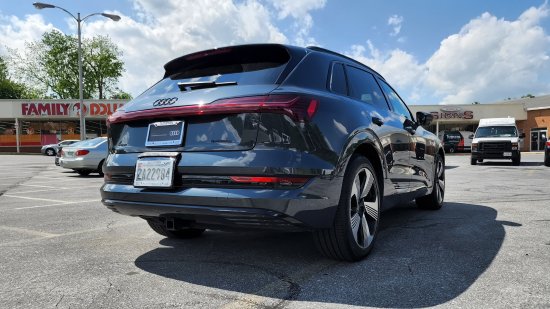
[165,102]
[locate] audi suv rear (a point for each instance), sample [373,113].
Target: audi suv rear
[271,136]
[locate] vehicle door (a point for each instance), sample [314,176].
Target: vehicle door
[421,143]
[387,126]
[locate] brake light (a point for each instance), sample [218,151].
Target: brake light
[298,107]
[461,144]
[547,143]
[285,181]
[81,152]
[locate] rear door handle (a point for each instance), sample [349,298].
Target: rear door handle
[377,121]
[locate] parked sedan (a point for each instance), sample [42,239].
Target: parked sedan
[53,149]
[273,137]
[85,157]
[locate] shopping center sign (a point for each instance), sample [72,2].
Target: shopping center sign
[451,112]
[68,109]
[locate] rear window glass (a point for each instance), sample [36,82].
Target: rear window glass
[453,136]
[243,66]
[90,143]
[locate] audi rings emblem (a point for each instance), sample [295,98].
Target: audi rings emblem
[165,102]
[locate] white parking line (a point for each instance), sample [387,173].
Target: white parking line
[34,198]
[54,189]
[27,231]
[40,186]
[57,204]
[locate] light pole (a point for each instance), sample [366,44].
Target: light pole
[79,20]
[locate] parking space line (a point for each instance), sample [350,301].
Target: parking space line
[57,204]
[39,186]
[27,231]
[55,189]
[33,198]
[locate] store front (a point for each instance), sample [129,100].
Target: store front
[27,125]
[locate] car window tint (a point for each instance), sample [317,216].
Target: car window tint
[363,87]
[397,104]
[338,80]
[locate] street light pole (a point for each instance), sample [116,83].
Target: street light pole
[80,83]
[79,21]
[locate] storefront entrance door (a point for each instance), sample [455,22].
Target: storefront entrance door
[538,139]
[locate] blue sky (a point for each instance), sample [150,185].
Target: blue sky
[432,51]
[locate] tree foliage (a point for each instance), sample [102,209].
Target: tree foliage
[10,89]
[51,65]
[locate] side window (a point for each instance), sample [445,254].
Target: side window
[363,87]
[397,104]
[338,79]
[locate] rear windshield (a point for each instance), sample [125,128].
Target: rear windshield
[89,143]
[243,66]
[452,136]
[496,131]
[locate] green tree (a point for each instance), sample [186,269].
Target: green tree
[10,89]
[529,96]
[52,63]
[121,95]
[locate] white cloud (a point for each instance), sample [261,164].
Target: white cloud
[489,59]
[395,21]
[15,32]
[163,30]
[303,21]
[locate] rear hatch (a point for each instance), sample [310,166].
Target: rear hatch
[215,96]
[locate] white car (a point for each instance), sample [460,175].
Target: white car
[52,149]
[85,157]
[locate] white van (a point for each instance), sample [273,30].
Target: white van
[496,138]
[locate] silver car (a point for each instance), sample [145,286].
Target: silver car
[85,157]
[52,149]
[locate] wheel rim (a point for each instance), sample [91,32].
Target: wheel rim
[365,207]
[439,183]
[50,152]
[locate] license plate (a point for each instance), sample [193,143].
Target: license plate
[164,133]
[507,154]
[154,172]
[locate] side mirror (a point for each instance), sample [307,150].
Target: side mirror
[471,136]
[522,135]
[424,119]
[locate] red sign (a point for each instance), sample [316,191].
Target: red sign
[68,109]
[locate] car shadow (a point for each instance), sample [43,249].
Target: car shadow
[421,259]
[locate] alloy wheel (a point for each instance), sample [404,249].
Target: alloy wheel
[365,207]
[439,182]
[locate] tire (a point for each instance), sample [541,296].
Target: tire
[473,161]
[83,172]
[50,152]
[547,161]
[480,160]
[100,168]
[452,150]
[357,218]
[516,161]
[187,233]
[434,200]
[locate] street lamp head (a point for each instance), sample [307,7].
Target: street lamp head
[111,16]
[40,5]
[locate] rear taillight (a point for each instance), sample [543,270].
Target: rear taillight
[548,144]
[81,152]
[263,180]
[298,107]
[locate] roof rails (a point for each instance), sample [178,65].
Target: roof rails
[324,50]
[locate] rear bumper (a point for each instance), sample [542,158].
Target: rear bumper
[310,207]
[79,163]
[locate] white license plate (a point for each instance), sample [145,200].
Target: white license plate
[507,154]
[154,172]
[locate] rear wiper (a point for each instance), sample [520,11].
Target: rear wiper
[202,85]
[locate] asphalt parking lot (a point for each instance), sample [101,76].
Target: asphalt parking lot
[489,246]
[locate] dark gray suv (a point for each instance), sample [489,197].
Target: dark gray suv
[272,137]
